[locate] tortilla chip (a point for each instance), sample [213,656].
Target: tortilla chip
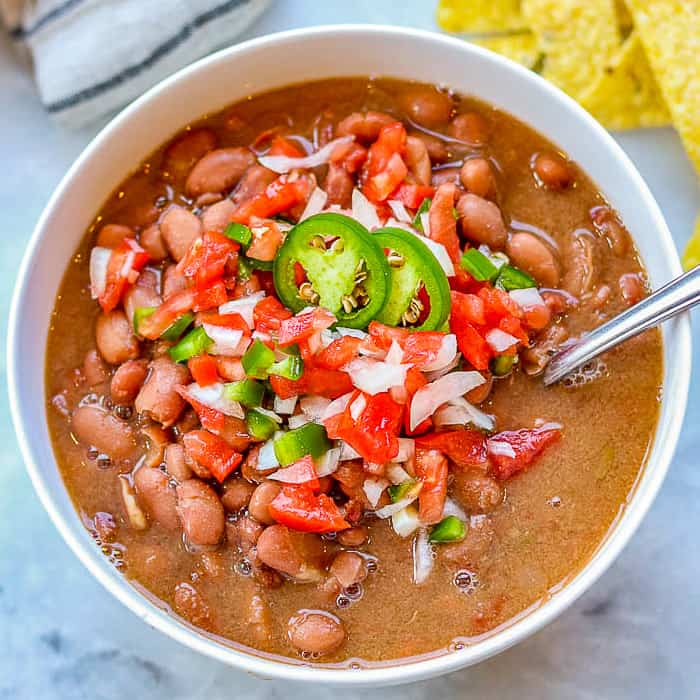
[691,255]
[624,18]
[625,95]
[479,16]
[577,38]
[670,33]
[522,47]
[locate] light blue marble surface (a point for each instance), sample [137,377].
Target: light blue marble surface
[635,635]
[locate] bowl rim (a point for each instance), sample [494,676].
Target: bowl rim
[392,672]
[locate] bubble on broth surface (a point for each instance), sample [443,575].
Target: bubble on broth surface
[467,581]
[595,369]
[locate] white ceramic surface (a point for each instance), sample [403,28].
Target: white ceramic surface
[272,62]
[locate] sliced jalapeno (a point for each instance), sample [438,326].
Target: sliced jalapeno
[419,294]
[344,269]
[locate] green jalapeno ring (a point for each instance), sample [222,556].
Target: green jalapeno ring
[412,265]
[350,278]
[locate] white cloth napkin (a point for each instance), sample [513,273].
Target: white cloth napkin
[91,57]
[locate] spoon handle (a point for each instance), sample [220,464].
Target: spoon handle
[677,296]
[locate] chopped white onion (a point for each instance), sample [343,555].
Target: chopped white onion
[500,448]
[316,202]
[298,420]
[357,406]
[214,397]
[460,412]
[446,355]
[429,397]
[399,210]
[243,306]
[436,374]
[425,222]
[328,463]
[451,507]
[270,414]
[288,475]
[314,406]
[99,261]
[437,249]
[407,448]
[498,259]
[266,457]
[128,264]
[374,376]
[406,521]
[527,298]
[364,211]
[423,556]
[227,341]
[283,164]
[374,488]
[388,510]
[396,473]
[285,406]
[499,340]
[347,452]
[327,337]
[336,406]
[547,425]
[394,355]
[354,332]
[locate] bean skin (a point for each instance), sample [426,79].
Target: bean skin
[443,175]
[175,462]
[315,632]
[127,381]
[173,281]
[243,533]
[553,171]
[260,499]
[154,489]
[532,255]
[477,177]
[95,370]
[93,426]
[476,492]
[201,512]
[143,293]
[218,171]
[179,228]
[218,216]
[152,242]
[158,397]
[437,149]
[364,127]
[339,185]
[111,235]
[631,288]
[349,568]
[186,149]
[115,339]
[418,160]
[481,221]
[581,269]
[237,493]
[254,181]
[470,127]
[427,106]
[353,537]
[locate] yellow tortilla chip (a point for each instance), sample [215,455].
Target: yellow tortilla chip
[670,33]
[577,38]
[691,256]
[479,16]
[624,18]
[522,47]
[625,95]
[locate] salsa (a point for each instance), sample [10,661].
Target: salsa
[293,372]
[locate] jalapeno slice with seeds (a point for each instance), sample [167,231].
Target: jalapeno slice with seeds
[331,260]
[419,293]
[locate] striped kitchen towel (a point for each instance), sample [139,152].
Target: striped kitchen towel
[91,57]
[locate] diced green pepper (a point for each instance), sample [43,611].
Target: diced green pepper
[260,426]
[309,439]
[256,264]
[478,265]
[257,360]
[397,492]
[141,313]
[424,207]
[449,529]
[247,391]
[510,278]
[502,365]
[194,343]
[239,233]
[290,367]
[245,269]
[178,327]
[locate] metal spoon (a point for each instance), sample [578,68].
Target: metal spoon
[677,296]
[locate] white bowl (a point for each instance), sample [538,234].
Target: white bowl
[272,62]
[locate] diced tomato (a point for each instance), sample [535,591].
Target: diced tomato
[339,352]
[497,304]
[466,448]
[468,308]
[380,187]
[527,445]
[267,238]
[214,295]
[512,325]
[384,335]
[431,468]
[211,452]
[203,369]
[443,225]
[303,471]
[385,169]
[304,325]
[234,321]
[350,155]
[412,195]
[210,418]
[206,258]
[473,346]
[299,508]
[230,368]
[169,311]
[415,379]
[279,196]
[330,383]
[285,147]
[248,286]
[268,315]
[537,317]
[421,347]
[125,262]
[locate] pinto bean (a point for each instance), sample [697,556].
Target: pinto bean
[218,216]
[427,106]
[315,632]
[186,149]
[296,554]
[611,228]
[481,221]
[175,462]
[95,370]
[349,568]
[259,618]
[127,381]
[531,254]
[237,493]
[201,512]
[339,184]
[553,171]
[158,397]
[111,235]
[157,440]
[418,160]
[365,127]
[154,489]
[143,293]
[536,357]
[476,492]
[219,170]
[115,339]
[352,537]
[243,533]
[477,177]
[179,228]
[444,175]
[261,498]
[469,127]
[632,288]
[581,271]
[235,432]
[437,148]
[152,242]
[173,281]
[189,603]
[254,181]
[93,426]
